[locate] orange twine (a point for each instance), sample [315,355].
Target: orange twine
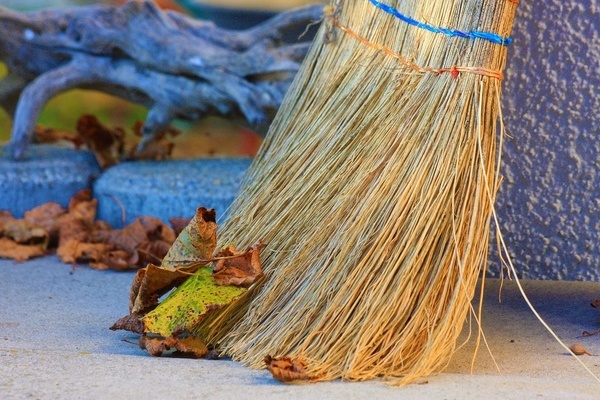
[454,70]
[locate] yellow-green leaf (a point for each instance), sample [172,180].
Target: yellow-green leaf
[186,306]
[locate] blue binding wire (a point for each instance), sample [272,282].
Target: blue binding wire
[491,37]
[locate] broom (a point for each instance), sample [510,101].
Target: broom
[374,192]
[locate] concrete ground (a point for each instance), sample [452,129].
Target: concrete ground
[55,344]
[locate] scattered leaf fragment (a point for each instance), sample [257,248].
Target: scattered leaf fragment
[592,333]
[287,370]
[238,268]
[579,350]
[596,303]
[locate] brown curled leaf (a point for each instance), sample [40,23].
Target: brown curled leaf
[73,251]
[152,252]
[82,205]
[197,241]
[189,346]
[5,216]
[23,232]
[106,144]
[19,252]
[156,150]
[44,134]
[130,323]
[287,370]
[117,260]
[579,350]
[149,285]
[146,240]
[45,216]
[238,268]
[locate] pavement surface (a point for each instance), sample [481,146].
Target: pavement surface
[55,344]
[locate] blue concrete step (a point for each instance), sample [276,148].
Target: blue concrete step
[166,189]
[48,173]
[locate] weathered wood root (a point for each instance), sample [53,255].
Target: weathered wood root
[175,65]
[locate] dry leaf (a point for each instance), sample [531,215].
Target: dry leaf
[146,240]
[49,135]
[596,303]
[238,268]
[155,150]
[152,252]
[286,370]
[579,350]
[83,206]
[79,238]
[73,251]
[195,296]
[5,216]
[21,240]
[19,252]
[82,196]
[129,238]
[106,144]
[130,323]
[196,243]
[73,234]
[155,346]
[157,230]
[189,346]
[149,284]
[46,216]
[117,260]
[70,228]
[23,232]
[78,222]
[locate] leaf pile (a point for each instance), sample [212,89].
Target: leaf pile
[77,237]
[167,325]
[110,145]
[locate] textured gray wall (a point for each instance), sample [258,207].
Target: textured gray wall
[549,204]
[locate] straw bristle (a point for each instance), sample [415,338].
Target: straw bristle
[373,192]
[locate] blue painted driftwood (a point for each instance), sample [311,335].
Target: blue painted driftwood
[175,65]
